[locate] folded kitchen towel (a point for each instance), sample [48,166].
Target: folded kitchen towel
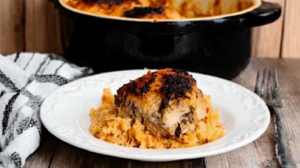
[25,81]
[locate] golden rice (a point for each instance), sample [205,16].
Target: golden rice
[108,126]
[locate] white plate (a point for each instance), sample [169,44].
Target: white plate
[65,113]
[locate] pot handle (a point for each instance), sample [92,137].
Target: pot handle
[266,13]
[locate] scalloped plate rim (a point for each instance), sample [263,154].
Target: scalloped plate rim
[153,155]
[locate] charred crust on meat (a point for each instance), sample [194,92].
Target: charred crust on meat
[180,71]
[149,97]
[184,73]
[133,87]
[117,101]
[109,2]
[178,131]
[153,76]
[145,89]
[172,85]
[139,87]
[175,86]
[143,11]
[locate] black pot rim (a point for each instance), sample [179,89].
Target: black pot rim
[257,4]
[263,13]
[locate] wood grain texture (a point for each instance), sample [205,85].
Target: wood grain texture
[54,153]
[266,39]
[42,27]
[291,38]
[12,26]
[261,153]
[69,156]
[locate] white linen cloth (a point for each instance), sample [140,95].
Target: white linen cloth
[25,81]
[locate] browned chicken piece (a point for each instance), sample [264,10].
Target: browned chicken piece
[166,101]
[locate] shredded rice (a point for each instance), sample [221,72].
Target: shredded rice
[108,126]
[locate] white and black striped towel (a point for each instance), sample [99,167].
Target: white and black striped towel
[25,81]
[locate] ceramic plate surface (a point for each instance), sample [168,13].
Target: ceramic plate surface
[65,113]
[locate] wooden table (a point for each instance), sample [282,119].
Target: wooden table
[260,153]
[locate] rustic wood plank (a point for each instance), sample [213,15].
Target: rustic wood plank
[290,113]
[266,39]
[42,27]
[291,38]
[70,156]
[261,153]
[12,26]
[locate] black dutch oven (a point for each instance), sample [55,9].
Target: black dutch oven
[215,45]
